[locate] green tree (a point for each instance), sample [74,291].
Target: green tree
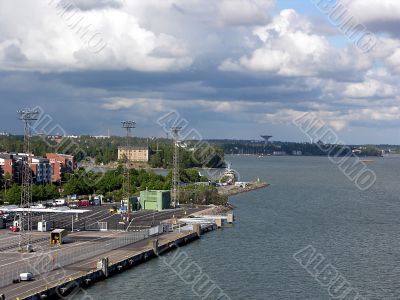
[51,192]
[78,184]
[13,195]
[37,193]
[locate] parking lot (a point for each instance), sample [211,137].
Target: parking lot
[90,220]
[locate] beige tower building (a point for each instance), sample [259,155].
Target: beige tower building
[134,153]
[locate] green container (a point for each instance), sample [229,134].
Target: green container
[155,200]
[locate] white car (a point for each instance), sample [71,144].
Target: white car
[26,276]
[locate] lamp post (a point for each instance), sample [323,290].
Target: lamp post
[5,187]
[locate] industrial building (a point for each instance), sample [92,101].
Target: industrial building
[155,200]
[134,153]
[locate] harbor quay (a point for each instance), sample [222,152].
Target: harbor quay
[79,251]
[87,256]
[70,279]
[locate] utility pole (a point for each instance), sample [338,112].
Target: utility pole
[175,174]
[128,125]
[25,239]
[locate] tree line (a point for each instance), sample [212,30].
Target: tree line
[110,184]
[105,150]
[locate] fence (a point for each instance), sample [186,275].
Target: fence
[43,262]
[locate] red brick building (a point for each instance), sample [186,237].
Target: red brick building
[44,169]
[61,164]
[9,165]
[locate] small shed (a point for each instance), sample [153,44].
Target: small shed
[155,200]
[57,236]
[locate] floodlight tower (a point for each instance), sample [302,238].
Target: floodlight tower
[128,125]
[27,116]
[175,174]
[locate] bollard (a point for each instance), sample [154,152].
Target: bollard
[230,218]
[104,266]
[155,246]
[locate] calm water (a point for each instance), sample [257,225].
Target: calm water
[309,202]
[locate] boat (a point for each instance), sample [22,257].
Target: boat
[229,176]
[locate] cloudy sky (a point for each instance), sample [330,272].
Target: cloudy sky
[231,68]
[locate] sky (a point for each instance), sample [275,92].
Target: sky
[232,69]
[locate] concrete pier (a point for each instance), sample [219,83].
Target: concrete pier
[70,279]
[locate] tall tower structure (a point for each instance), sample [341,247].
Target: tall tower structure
[175,172]
[27,116]
[266,138]
[128,125]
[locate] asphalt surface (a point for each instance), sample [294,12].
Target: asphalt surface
[75,270]
[84,235]
[89,221]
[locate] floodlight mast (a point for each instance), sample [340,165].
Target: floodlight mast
[128,125]
[175,174]
[27,116]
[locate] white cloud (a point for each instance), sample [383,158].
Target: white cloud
[290,48]
[370,89]
[54,40]
[244,12]
[375,15]
[154,106]
[340,119]
[288,116]
[393,61]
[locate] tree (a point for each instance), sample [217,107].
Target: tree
[78,184]
[13,195]
[51,192]
[37,193]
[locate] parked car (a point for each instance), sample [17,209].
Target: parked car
[26,276]
[59,202]
[14,228]
[84,203]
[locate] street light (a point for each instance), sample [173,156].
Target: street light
[5,187]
